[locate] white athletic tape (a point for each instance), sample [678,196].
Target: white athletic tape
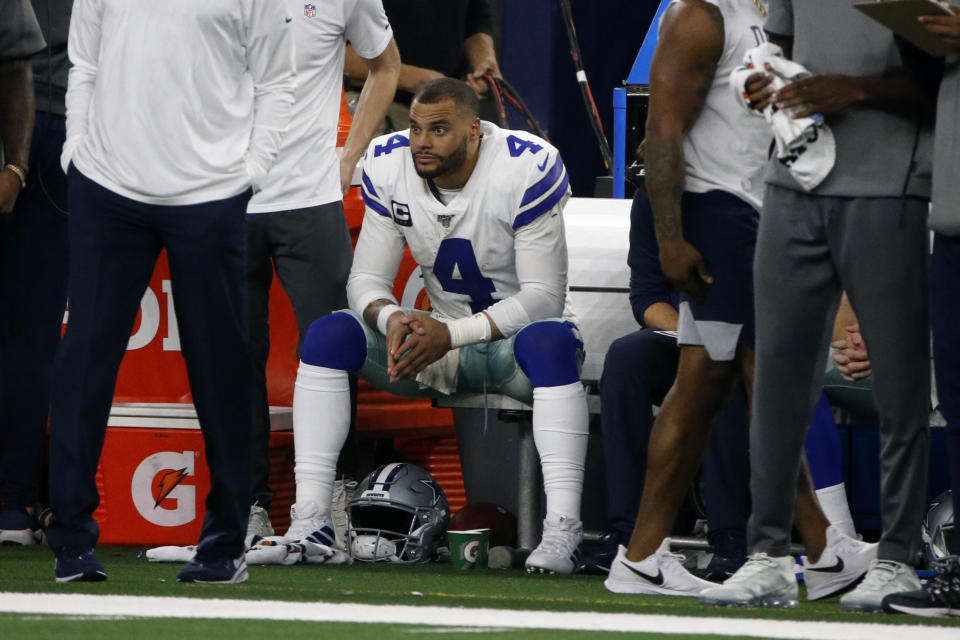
[161,607]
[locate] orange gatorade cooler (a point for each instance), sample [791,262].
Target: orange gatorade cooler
[153,475]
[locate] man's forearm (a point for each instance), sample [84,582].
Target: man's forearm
[664,183]
[481,53]
[16,111]
[375,99]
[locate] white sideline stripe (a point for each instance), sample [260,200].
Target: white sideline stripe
[164,607]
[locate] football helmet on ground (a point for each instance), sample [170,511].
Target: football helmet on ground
[398,514]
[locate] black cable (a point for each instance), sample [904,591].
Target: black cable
[502,89]
[592,113]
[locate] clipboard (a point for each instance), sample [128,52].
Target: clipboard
[900,16]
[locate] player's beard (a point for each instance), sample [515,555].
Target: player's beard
[445,164]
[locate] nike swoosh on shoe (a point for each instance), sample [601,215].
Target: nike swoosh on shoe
[835,568]
[657,579]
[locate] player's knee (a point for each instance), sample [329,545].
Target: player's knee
[335,341]
[625,354]
[547,352]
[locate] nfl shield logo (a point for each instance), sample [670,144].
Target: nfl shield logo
[310,10]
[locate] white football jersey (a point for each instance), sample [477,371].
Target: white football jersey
[498,246]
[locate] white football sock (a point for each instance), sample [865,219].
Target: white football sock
[321,422]
[560,431]
[833,502]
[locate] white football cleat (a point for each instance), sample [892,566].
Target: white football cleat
[307,524]
[559,549]
[662,573]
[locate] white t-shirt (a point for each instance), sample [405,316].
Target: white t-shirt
[502,249]
[178,102]
[726,148]
[307,171]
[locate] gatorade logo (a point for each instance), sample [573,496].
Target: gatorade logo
[158,492]
[470,551]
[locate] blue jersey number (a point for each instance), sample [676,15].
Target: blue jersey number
[456,254]
[519,145]
[395,142]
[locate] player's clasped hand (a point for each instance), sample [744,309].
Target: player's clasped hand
[414,341]
[684,267]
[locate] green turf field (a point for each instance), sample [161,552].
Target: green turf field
[30,570]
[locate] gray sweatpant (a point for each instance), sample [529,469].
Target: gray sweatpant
[810,249]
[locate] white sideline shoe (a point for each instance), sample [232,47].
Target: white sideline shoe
[885,577]
[660,574]
[764,581]
[843,562]
[258,525]
[559,549]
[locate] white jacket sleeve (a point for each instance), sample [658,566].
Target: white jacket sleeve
[270,58]
[540,252]
[83,49]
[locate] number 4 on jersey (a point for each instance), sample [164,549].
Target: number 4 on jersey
[456,255]
[519,145]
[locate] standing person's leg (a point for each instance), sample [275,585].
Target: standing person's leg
[259,279]
[312,252]
[206,245]
[941,595]
[726,485]
[880,246]
[33,288]
[797,293]
[945,309]
[113,249]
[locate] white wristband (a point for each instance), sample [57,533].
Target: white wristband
[471,330]
[384,315]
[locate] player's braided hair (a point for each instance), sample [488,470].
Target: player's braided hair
[450,89]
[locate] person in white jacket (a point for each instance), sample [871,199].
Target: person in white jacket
[174,111]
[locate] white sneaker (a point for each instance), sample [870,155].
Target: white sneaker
[559,549]
[258,525]
[763,581]
[342,494]
[307,524]
[883,578]
[844,561]
[661,574]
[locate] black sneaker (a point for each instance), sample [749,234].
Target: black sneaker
[78,564]
[598,563]
[16,526]
[940,597]
[230,571]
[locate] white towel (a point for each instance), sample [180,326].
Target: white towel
[275,550]
[171,554]
[442,374]
[806,146]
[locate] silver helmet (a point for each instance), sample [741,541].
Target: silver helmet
[399,514]
[938,528]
